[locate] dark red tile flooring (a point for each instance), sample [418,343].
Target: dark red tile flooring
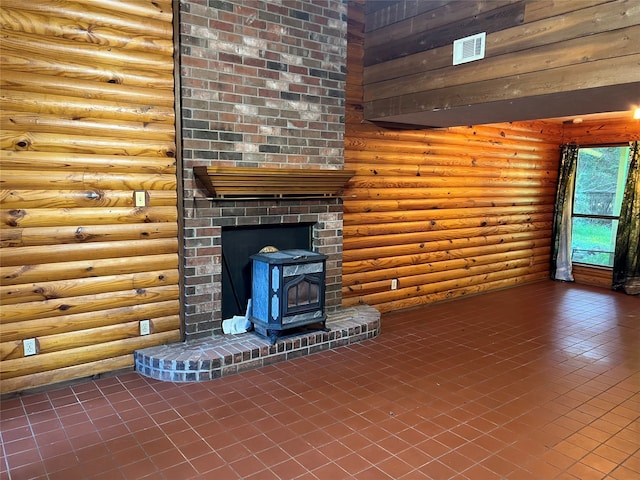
[536,382]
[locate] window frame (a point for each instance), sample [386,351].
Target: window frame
[592,216]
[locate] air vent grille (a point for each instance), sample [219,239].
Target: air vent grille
[469,49]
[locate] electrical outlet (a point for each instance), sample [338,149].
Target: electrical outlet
[29,346]
[145,328]
[394,284]
[140,198]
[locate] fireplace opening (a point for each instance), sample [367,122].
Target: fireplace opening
[239,243]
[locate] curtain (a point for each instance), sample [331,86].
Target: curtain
[626,264]
[561,230]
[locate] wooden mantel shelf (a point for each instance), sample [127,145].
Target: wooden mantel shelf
[245,182]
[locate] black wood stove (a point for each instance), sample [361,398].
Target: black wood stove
[287,291]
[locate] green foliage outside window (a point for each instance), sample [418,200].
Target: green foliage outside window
[600,178]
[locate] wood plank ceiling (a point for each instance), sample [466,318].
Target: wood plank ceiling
[543,59]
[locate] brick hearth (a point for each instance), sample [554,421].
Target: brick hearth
[223,355]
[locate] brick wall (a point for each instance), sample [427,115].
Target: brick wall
[262,85]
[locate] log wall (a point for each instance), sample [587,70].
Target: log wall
[87,120]
[596,276]
[619,128]
[444,212]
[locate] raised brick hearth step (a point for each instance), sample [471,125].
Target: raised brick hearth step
[223,355]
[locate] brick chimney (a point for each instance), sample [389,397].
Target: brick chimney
[263,85]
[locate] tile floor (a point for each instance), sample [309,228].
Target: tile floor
[537,382]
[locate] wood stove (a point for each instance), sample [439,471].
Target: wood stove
[287,291]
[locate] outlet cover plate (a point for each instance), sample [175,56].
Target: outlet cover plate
[29,346]
[145,328]
[140,198]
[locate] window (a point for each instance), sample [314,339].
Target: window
[601,175]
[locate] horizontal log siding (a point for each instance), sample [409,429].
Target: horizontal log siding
[618,128]
[446,212]
[87,119]
[597,276]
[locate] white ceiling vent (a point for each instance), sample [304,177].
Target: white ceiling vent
[469,49]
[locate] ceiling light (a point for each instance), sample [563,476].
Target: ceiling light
[636,113]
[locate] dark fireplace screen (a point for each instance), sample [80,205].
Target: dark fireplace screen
[287,291]
[303,292]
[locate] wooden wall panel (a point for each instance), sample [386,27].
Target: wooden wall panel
[619,128]
[550,60]
[439,27]
[87,119]
[588,275]
[446,212]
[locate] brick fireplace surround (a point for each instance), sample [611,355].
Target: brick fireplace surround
[263,85]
